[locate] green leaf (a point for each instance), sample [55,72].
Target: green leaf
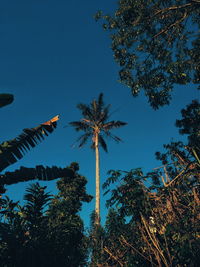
[13,150]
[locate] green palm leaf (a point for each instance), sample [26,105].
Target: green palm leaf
[13,150]
[39,172]
[112,136]
[105,114]
[98,107]
[113,124]
[103,143]
[83,139]
[79,125]
[86,111]
[100,102]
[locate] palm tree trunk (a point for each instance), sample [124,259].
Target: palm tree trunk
[97,205]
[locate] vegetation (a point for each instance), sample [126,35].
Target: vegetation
[96,126]
[156,44]
[13,150]
[153,218]
[46,230]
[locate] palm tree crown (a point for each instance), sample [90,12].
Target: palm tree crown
[95,125]
[95,122]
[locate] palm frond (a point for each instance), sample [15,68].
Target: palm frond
[113,124]
[94,109]
[112,136]
[105,114]
[100,100]
[85,110]
[39,172]
[97,107]
[96,119]
[103,143]
[80,125]
[82,140]
[13,150]
[100,103]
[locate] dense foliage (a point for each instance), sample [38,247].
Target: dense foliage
[154,218]
[47,230]
[160,227]
[156,44]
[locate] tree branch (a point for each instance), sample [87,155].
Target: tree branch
[112,256]
[172,8]
[170,26]
[129,245]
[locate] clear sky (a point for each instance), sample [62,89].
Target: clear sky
[53,55]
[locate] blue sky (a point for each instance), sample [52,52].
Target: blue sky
[53,55]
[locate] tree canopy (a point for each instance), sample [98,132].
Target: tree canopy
[156,44]
[190,123]
[153,218]
[47,230]
[96,121]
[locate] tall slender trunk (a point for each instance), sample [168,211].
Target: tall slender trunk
[97,204]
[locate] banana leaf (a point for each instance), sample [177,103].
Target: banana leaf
[13,150]
[38,173]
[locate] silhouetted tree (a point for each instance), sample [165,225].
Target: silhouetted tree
[154,217]
[96,126]
[47,230]
[156,44]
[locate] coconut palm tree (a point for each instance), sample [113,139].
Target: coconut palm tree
[96,126]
